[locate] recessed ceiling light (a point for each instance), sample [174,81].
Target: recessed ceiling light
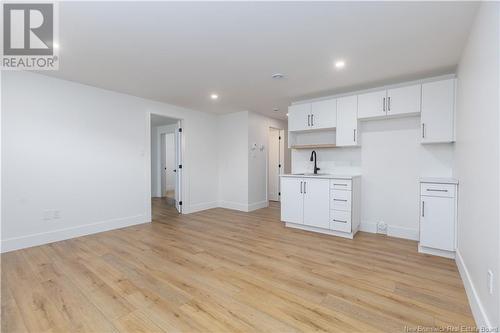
[287,114]
[339,64]
[55,45]
[277,76]
[214,96]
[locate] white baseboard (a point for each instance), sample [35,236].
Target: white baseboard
[257,205]
[436,252]
[17,243]
[478,311]
[199,207]
[233,205]
[392,231]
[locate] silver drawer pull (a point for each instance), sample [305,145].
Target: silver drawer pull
[340,184]
[334,220]
[435,190]
[344,200]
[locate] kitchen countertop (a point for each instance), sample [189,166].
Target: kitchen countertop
[326,175]
[438,180]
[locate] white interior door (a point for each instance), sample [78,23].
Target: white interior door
[170,160]
[179,166]
[273,164]
[163,165]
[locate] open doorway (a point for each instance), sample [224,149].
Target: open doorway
[275,163]
[166,161]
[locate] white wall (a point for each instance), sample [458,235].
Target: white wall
[85,151]
[390,160]
[232,159]
[258,132]
[477,164]
[156,155]
[242,171]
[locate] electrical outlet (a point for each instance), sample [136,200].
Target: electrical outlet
[382,228]
[490,281]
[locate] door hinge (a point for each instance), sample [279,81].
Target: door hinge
[180,166]
[180,129]
[279,138]
[279,193]
[180,203]
[279,165]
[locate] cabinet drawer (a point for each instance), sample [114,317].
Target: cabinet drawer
[340,200]
[437,190]
[340,184]
[340,220]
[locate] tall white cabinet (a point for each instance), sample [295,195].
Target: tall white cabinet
[438,217]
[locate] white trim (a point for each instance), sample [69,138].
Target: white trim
[17,243]
[401,232]
[476,305]
[348,235]
[257,205]
[436,252]
[233,205]
[392,231]
[199,207]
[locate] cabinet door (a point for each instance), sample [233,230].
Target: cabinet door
[317,202]
[299,117]
[347,121]
[404,100]
[324,114]
[292,200]
[372,105]
[438,106]
[437,222]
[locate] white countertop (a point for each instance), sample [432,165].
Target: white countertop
[439,180]
[326,175]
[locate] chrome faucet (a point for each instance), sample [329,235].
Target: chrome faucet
[313,155]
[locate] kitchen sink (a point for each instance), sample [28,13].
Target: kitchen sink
[310,174]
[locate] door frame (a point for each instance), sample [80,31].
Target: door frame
[180,146]
[281,159]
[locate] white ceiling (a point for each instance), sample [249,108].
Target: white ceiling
[181,52]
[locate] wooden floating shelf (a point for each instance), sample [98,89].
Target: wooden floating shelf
[324,145]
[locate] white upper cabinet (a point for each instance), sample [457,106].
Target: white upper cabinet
[347,121]
[299,117]
[438,109]
[324,114]
[404,100]
[372,104]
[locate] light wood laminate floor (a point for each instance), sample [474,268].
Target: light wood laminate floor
[228,271]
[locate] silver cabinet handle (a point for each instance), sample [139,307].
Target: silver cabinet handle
[423,208]
[383,104]
[344,200]
[354,135]
[339,184]
[389,103]
[312,120]
[334,220]
[301,187]
[308,120]
[305,187]
[423,130]
[435,190]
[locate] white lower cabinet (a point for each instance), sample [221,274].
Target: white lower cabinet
[316,202]
[324,205]
[438,211]
[292,200]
